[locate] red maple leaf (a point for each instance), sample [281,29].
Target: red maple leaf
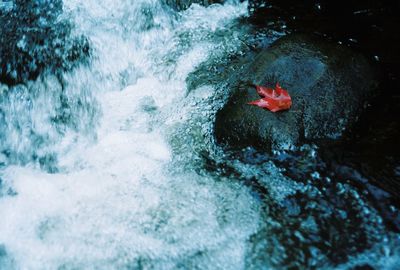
[277,99]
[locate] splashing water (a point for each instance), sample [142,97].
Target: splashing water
[99,168]
[88,164]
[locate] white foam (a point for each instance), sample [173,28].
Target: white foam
[117,202]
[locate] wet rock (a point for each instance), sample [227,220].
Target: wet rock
[184,4]
[33,39]
[329,85]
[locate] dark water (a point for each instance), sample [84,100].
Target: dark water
[369,27]
[368,157]
[362,166]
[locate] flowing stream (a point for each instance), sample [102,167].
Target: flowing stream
[101,169]
[106,191]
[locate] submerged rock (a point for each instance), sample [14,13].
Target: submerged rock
[329,85]
[33,39]
[184,4]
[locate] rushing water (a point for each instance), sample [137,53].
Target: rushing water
[102,168]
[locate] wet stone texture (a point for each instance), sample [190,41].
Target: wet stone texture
[329,85]
[371,148]
[33,39]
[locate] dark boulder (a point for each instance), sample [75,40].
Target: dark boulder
[33,39]
[329,85]
[184,4]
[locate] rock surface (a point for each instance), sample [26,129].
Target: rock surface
[329,85]
[34,39]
